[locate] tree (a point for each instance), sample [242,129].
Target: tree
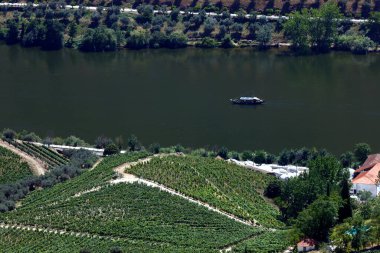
[247,155]
[75,141]
[345,210]
[177,40]
[227,42]
[155,148]
[119,141]
[374,27]
[317,219]
[34,34]
[209,25]
[9,134]
[361,151]
[260,156]
[111,149]
[133,143]
[98,39]
[53,39]
[102,142]
[207,42]
[73,30]
[138,39]
[223,152]
[340,238]
[145,14]
[273,189]
[296,29]
[264,34]
[324,25]
[346,159]
[12,35]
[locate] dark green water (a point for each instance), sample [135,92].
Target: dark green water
[171,96]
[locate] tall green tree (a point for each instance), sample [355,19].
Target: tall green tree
[296,29]
[317,220]
[361,151]
[345,210]
[12,35]
[53,39]
[324,25]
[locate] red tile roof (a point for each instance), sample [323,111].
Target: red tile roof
[370,162]
[368,177]
[307,243]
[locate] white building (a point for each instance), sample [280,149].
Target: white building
[306,245]
[367,176]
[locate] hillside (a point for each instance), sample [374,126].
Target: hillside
[131,216]
[355,8]
[227,186]
[12,167]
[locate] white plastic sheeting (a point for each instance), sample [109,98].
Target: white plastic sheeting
[280,171]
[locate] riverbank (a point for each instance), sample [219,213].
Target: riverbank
[108,29]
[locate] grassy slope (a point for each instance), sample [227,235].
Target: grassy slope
[143,216]
[223,185]
[12,168]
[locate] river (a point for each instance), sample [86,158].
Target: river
[182,96]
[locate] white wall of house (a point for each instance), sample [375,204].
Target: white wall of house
[304,249]
[375,190]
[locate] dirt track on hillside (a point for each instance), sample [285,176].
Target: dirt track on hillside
[36,166]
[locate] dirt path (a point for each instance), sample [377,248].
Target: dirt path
[36,166]
[96,163]
[129,178]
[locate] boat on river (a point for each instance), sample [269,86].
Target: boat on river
[247,101]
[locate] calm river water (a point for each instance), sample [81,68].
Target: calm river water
[182,96]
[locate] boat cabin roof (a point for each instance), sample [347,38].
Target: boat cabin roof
[249,98]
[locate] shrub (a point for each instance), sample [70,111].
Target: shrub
[177,40]
[356,43]
[227,42]
[9,134]
[138,39]
[260,156]
[208,42]
[223,152]
[247,155]
[111,149]
[98,39]
[155,148]
[133,143]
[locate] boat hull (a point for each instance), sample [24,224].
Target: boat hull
[244,102]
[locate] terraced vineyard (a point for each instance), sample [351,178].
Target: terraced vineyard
[275,241]
[50,157]
[88,212]
[148,217]
[12,168]
[13,240]
[226,186]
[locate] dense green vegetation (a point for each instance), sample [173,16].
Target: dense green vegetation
[12,168]
[51,26]
[226,186]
